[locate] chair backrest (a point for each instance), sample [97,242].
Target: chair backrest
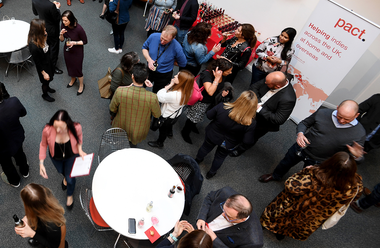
[85,196]
[112,140]
[188,170]
[20,56]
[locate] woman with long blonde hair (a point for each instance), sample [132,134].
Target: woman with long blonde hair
[44,221]
[173,98]
[232,124]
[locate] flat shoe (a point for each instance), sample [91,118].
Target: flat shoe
[155,144]
[355,207]
[50,90]
[33,242]
[101,16]
[80,93]
[210,174]
[186,137]
[48,98]
[64,187]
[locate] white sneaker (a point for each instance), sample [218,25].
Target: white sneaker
[5,180]
[120,50]
[113,50]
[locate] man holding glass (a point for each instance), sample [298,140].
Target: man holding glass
[229,219]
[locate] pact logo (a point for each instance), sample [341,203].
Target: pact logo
[350,28]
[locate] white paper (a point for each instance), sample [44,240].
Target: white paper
[82,167]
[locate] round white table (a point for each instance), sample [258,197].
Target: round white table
[126,181]
[14,35]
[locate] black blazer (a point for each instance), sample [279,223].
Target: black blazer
[223,128]
[11,131]
[370,118]
[248,234]
[42,61]
[277,109]
[48,12]
[189,14]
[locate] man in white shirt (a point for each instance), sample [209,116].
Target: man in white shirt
[229,220]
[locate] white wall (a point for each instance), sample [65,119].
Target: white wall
[269,17]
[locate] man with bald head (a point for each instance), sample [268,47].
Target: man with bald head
[276,102]
[229,220]
[320,136]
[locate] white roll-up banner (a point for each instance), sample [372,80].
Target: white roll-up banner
[331,42]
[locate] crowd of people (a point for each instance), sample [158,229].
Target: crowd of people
[330,143]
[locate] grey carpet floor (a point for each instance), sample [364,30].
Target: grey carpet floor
[91,111]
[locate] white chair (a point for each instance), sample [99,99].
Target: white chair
[19,59]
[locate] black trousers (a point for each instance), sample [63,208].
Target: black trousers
[159,80]
[10,170]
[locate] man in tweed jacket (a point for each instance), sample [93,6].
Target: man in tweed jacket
[132,106]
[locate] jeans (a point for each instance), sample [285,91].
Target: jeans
[180,34]
[291,159]
[64,167]
[118,35]
[371,199]
[257,75]
[219,157]
[10,170]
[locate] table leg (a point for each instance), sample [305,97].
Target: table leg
[117,240]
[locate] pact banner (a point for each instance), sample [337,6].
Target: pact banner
[329,45]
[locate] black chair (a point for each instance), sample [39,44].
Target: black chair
[188,170]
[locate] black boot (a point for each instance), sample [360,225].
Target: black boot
[46,97]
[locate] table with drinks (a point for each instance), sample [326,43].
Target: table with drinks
[221,23]
[137,184]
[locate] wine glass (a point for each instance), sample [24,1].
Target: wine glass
[68,40]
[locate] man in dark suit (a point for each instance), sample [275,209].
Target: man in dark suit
[229,219]
[276,102]
[370,119]
[50,13]
[11,139]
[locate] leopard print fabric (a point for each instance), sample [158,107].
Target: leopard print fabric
[303,206]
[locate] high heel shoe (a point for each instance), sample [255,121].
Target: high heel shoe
[80,93]
[64,187]
[69,86]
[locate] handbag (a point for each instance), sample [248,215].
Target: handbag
[112,17]
[158,122]
[196,95]
[104,83]
[334,219]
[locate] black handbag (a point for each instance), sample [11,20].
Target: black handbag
[111,16]
[158,122]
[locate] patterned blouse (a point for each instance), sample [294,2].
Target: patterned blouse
[270,47]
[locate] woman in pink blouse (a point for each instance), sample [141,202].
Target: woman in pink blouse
[64,139]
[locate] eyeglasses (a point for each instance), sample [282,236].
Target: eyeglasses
[225,215]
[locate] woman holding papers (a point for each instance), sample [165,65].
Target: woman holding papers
[64,139]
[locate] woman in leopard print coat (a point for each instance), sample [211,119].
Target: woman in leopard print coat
[311,196]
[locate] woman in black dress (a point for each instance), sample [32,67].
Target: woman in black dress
[45,225]
[73,50]
[41,55]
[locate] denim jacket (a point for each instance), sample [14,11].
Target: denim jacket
[196,54]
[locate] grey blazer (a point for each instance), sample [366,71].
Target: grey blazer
[247,234]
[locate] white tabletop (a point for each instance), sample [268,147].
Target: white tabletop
[13,35]
[126,181]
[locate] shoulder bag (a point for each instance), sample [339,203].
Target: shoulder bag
[334,219]
[104,83]
[112,17]
[196,95]
[158,122]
